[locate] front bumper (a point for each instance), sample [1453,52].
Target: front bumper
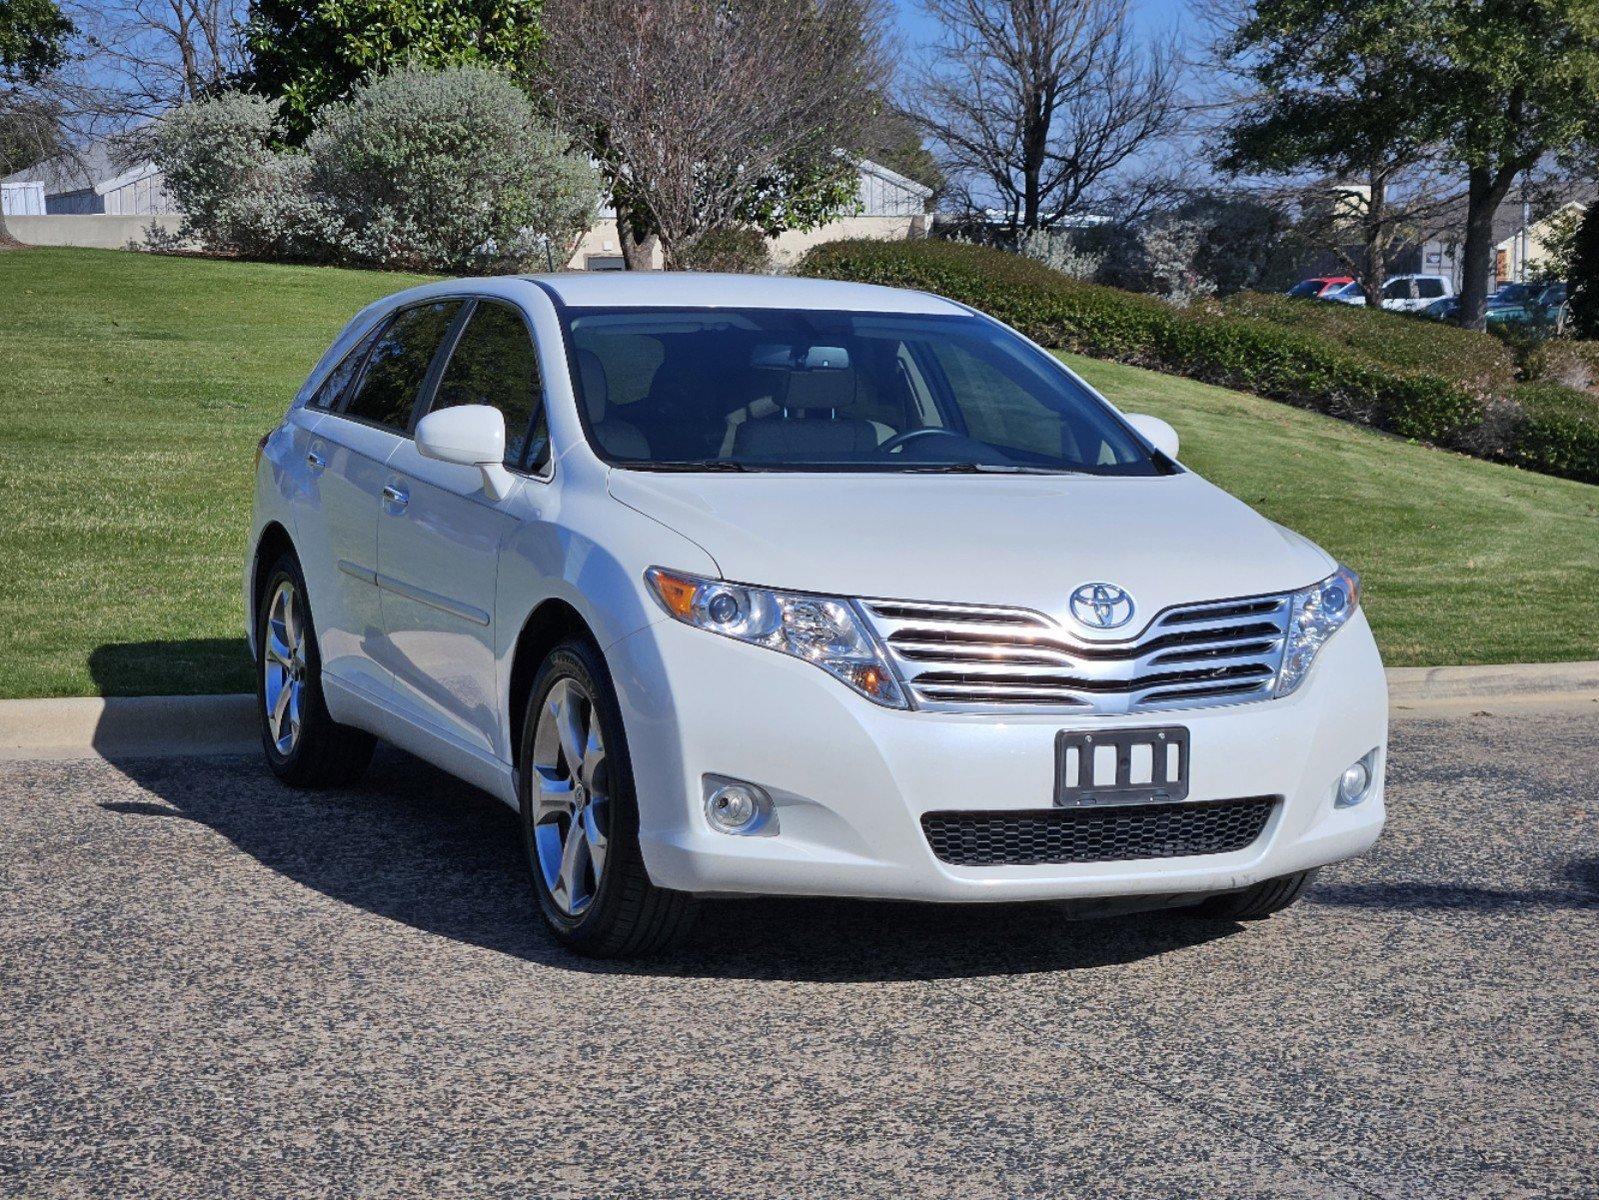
[850,780]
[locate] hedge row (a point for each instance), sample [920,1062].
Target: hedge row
[1398,383]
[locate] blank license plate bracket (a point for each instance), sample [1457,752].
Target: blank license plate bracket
[1121,766]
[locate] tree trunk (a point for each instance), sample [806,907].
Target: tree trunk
[1035,146]
[1485,191]
[1375,275]
[7,242]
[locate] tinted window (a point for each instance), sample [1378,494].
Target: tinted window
[495,363]
[1396,289]
[1306,287]
[338,380]
[812,389]
[399,363]
[1429,289]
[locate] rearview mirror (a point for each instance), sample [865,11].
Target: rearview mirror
[1156,432]
[469,435]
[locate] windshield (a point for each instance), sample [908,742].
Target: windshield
[1307,287]
[777,389]
[1511,293]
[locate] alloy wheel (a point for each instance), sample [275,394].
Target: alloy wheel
[284,668]
[571,797]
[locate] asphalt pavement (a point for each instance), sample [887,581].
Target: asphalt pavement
[211,986]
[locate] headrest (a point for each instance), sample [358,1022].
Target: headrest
[825,388]
[596,389]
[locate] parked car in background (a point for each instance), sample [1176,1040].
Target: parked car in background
[1412,293]
[736,585]
[1402,293]
[1317,286]
[1538,306]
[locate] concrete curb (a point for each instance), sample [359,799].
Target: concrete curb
[158,726]
[127,727]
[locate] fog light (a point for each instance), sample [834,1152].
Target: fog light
[1355,783]
[739,808]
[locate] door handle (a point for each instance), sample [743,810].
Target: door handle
[314,460]
[395,495]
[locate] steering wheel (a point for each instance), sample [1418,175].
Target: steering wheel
[899,440]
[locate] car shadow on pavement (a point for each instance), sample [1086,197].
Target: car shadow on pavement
[413,845]
[1581,873]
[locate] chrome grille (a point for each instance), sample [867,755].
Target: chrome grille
[973,658]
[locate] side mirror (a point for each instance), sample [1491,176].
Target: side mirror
[1156,432]
[469,435]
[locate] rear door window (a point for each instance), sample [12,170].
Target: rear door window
[1430,289]
[495,363]
[337,383]
[398,365]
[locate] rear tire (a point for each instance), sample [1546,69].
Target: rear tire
[1255,903]
[305,747]
[580,816]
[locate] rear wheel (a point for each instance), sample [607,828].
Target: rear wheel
[1254,903]
[580,818]
[304,746]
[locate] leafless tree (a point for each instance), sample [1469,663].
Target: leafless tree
[1037,105]
[699,112]
[142,57]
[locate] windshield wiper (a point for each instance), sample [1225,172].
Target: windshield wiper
[701,464]
[974,468]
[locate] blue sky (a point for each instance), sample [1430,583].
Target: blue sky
[1154,15]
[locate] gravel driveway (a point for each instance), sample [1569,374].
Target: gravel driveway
[215,987]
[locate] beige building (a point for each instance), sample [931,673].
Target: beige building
[888,206]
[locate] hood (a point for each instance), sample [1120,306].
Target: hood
[1026,541]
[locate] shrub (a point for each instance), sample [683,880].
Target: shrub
[445,171]
[1376,368]
[1477,361]
[236,193]
[741,251]
[1555,429]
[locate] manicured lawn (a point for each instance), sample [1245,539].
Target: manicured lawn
[134,389]
[1462,561]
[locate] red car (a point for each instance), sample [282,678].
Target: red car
[1319,286]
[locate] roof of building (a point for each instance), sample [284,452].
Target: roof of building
[97,166]
[867,167]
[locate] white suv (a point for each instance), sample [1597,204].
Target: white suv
[737,585]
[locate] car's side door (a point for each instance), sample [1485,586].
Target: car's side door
[348,462]
[440,535]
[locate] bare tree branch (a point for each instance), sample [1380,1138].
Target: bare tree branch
[692,108]
[1037,105]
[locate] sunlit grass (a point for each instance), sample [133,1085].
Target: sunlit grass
[133,389]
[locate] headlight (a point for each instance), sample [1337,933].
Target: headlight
[1318,612]
[825,630]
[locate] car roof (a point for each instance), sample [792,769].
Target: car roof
[688,289]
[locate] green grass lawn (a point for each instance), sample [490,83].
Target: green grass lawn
[135,387]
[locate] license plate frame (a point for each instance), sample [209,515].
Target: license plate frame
[1080,791]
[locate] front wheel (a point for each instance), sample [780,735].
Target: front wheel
[1254,903]
[580,817]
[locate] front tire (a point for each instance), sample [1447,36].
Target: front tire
[1255,903]
[305,747]
[580,816]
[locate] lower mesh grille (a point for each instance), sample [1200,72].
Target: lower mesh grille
[1082,835]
